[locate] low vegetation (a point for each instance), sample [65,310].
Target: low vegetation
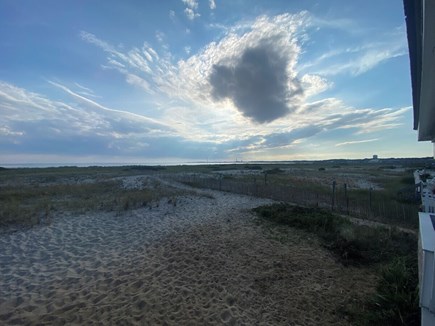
[383,191]
[392,253]
[36,200]
[396,298]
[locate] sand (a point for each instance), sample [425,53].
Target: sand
[200,260]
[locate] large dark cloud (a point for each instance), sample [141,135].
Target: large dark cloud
[258,83]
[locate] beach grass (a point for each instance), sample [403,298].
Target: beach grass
[388,251]
[30,198]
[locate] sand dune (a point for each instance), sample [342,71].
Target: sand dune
[200,261]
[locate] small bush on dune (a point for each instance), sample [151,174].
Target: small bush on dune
[396,299]
[309,219]
[274,171]
[408,180]
[424,177]
[144,168]
[253,167]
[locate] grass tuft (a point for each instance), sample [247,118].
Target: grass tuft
[396,299]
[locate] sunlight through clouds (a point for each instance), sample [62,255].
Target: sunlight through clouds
[254,84]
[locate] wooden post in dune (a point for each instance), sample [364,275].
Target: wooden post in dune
[370,201]
[333,194]
[255,186]
[346,198]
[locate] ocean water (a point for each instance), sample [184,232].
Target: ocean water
[50,165]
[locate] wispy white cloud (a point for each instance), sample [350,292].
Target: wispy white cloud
[84,88]
[356,142]
[358,59]
[172,15]
[344,24]
[137,81]
[95,104]
[190,13]
[314,84]
[191,3]
[35,124]
[212,4]
[130,58]
[85,91]
[191,9]
[7,131]
[136,60]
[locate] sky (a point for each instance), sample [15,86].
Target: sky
[109,81]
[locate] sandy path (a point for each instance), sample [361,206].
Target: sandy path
[202,261]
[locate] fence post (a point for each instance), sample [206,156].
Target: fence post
[255,187]
[346,198]
[333,194]
[370,202]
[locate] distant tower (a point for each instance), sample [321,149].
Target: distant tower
[375,157]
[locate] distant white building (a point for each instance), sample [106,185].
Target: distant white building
[374,159]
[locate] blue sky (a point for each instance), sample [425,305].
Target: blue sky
[185,80]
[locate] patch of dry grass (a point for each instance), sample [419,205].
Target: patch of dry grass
[35,203]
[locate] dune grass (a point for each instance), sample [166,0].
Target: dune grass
[35,202]
[396,299]
[390,252]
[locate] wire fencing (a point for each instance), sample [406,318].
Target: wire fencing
[366,204]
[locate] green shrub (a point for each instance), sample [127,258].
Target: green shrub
[314,220]
[274,171]
[144,168]
[253,167]
[424,177]
[407,195]
[408,180]
[396,299]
